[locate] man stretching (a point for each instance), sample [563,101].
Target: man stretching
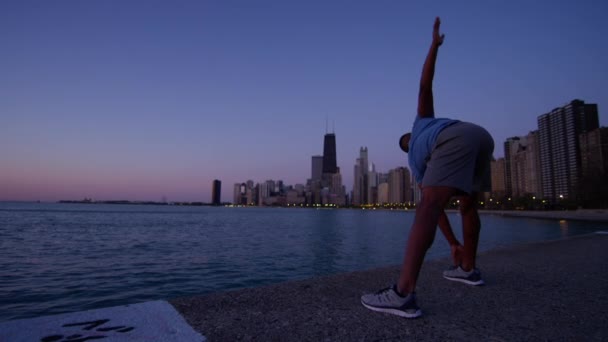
[448,158]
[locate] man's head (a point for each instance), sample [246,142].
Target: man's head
[404,142]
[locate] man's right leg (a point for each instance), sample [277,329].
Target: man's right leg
[400,299]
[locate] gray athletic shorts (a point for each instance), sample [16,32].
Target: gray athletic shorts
[461,159]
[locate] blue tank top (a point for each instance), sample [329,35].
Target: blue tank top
[424,135]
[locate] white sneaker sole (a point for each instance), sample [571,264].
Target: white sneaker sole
[465,281]
[397,312]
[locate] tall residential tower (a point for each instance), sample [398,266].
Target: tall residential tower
[560,157]
[216,194]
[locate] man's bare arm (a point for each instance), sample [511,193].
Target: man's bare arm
[425,96]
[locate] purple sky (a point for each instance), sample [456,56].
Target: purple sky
[143,99]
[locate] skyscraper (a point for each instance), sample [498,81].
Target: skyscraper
[560,157]
[399,185]
[594,152]
[532,183]
[372,185]
[328,189]
[330,164]
[594,168]
[497,171]
[511,146]
[317,168]
[383,193]
[361,179]
[237,194]
[522,166]
[216,193]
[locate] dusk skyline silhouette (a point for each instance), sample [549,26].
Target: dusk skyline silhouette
[144,100]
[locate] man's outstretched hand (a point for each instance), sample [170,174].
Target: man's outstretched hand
[437,38]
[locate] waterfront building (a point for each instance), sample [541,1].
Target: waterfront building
[240,194]
[417,193]
[332,191]
[372,185]
[594,167]
[399,186]
[383,193]
[532,181]
[329,154]
[216,192]
[317,168]
[497,174]
[264,192]
[560,157]
[522,166]
[511,146]
[279,187]
[360,185]
[292,197]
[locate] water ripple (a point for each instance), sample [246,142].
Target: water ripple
[68,257]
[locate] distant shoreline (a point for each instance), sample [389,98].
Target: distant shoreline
[589,215]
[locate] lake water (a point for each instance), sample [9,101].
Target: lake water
[58,258]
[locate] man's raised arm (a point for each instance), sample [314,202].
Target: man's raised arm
[425,96]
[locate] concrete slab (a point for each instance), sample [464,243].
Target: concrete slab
[150,321]
[551,291]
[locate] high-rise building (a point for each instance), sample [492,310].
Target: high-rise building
[522,166]
[594,167]
[372,184]
[240,190]
[330,189]
[216,193]
[360,186]
[264,193]
[511,146]
[416,192]
[317,168]
[517,178]
[560,157]
[271,187]
[278,187]
[594,151]
[497,172]
[399,186]
[383,193]
[532,183]
[330,164]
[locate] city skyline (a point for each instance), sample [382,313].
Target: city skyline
[112,100]
[325,187]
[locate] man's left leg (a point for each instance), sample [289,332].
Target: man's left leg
[471,226]
[422,234]
[467,272]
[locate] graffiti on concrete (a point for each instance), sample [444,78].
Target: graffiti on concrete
[89,326]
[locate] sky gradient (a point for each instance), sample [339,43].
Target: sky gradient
[138,100]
